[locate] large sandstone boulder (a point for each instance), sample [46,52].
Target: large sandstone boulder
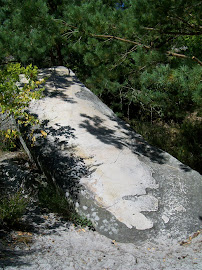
[130,190]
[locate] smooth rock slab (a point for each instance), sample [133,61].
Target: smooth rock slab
[130,190]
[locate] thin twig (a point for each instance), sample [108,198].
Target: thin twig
[122,59]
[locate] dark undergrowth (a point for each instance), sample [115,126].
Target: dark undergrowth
[183,141]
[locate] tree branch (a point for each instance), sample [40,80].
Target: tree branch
[121,39]
[184,33]
[142,45]
[147,47]
[197,60]
[176,54]
[185,22]
[184,56]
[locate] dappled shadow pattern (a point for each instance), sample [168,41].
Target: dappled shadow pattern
[59,84]
[140,147]
[17,172]
[37,221]
[185,168]
[14,258]
[57,159]
[95,126]
[137,144]
[60,134]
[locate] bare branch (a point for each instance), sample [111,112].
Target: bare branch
[176,54]
[197,60]
[65,23]
[184,56]
[123,57]
[121,39]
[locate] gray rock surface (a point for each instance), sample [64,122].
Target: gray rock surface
[6,122]
[14,172]
[47,241]
[61,246]
[130,190]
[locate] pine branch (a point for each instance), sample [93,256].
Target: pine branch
[147,47]
[176,54]
[197,60]
[65,23]
[184,33]
[185,22]
[192,6]
[122,59]
[184,56]
[121,39]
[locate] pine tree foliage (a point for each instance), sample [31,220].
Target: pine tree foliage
[142,57]
[27,31]
[139,55]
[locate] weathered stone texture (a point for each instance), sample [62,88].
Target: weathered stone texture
[130,190]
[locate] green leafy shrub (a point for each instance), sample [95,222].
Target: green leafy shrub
[15,97]
[8,139]
[81,221]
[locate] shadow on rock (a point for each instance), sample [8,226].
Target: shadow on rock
[59,84]
[14,258]
[107,135]
[96,127]
[52,151]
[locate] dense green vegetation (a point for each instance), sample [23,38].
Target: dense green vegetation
[15,98]
[142,57]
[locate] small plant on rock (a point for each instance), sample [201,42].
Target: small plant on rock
[12,207]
